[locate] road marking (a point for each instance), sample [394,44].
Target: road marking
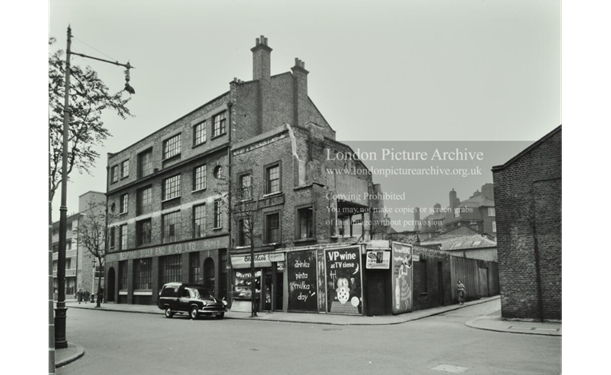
[450,368]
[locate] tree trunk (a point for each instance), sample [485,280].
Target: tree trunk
[99,283]
[253,289]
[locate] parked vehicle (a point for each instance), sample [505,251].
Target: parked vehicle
[192,299]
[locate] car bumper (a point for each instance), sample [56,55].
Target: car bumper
[212,310]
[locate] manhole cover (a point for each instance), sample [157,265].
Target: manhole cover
[450,368]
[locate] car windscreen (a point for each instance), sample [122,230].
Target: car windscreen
[199,293]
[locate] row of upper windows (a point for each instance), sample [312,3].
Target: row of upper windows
[304,227]
[171,228]
[171,147]
[171,189]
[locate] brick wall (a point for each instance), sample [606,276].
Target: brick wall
[528,214]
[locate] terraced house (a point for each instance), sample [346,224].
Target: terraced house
[171,194]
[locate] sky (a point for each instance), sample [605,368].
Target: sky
[434,70]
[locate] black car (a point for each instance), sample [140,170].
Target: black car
[192,299]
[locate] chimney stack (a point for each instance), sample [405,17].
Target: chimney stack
[261,59]
[300,92]
[261,71]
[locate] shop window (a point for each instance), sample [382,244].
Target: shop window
[195,269]
[170,269]
[142,274]
[123,275]
[242,285]
[209,277]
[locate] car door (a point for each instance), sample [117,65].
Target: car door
[183,299]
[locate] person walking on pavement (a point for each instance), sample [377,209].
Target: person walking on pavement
[86,296]
[460,287]
[79,296]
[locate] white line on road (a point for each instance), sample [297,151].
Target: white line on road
[450,368]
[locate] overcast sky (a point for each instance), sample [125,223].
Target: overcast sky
[472,70]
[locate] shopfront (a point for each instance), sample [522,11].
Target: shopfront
[268,281]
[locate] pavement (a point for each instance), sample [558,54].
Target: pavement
[492,322]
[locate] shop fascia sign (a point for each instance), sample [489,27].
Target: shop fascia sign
[261,260]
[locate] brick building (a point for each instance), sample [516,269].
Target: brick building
[528,194]
[170,194]
[477,212]
[79,261]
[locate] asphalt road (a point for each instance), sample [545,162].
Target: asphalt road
[127,343]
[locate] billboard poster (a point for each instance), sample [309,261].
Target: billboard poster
[343,271]
[301,268]
[378,260]
[402,278]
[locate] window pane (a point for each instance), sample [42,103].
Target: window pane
[171,226]
[199,133]
[125,168]
[123,235]
[217,214]
[145,163]
[145,200]
[170,269]
[142,274]
[198,220]
[273,228]
[245,185]
[171,188]
[219,124]
[171,147]
[144,232]
[273,179]
[305,223]
[199,178]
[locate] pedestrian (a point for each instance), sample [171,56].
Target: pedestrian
[92,297]
[86,296]
[460,287]
[79,296]
[101,295]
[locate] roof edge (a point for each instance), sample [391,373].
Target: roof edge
[528,149]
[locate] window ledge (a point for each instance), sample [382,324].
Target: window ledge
[309,239]
[271,244]
[272,194]
[198,190]
[217,228]
[123,213]
[177,156]
[218,136]
[170,199]
[199,144]
[242,247]
[124,177]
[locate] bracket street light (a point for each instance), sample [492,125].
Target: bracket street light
[60,310]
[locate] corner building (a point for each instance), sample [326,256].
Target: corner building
[170,197]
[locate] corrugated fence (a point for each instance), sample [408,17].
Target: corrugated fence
[481,278]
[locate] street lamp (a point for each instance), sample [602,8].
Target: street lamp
[60,310]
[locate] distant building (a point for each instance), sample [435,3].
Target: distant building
[528,195]
[79,261]
[477,212]
[466,243]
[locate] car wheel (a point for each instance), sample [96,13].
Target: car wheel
[168,313]
[220,316]
[193,313]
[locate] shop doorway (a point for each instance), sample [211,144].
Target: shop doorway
[110,292]
[209,274]
[377,289]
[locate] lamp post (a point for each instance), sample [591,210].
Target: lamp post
[60,310]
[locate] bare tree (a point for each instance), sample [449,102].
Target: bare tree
[92,235]
[245,214]
[89,99]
